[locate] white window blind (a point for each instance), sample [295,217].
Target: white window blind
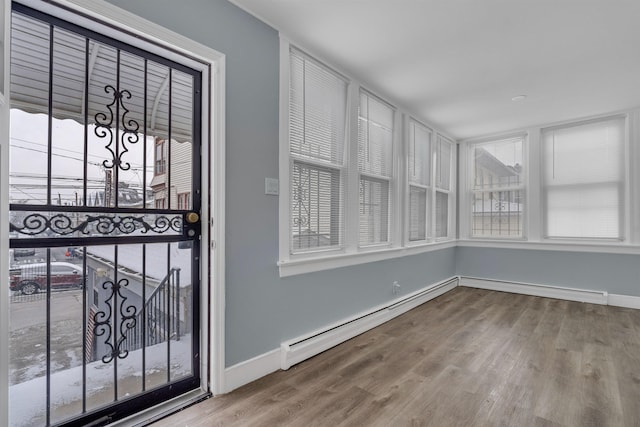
[417,214]
[375,164]
[498,188]
[444,157]
[584,180]
[317,121]
[419,171]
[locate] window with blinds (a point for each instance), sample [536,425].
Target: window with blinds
[498,188]
[317,128]
[583,180]
[340,190]
[375,165]
[444,152]
[419,172]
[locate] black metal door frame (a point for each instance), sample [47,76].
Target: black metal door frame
[50,226]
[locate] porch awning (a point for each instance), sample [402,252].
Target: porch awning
[80,63]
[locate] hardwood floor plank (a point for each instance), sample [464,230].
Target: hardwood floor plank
[600,397]
[626,363]
[470,357]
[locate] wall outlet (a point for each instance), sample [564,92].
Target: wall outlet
[395,287]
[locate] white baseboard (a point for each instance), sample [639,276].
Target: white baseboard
[627,301]
[301,348]
[250,370]
[558,292]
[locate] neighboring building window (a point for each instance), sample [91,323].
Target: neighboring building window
[160,204]
[419,171]
[184,201]
[160,157]
[317,128]
[375,164]
[444,158]
[498,188]
[583,180]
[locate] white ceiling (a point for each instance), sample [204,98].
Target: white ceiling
[458,63]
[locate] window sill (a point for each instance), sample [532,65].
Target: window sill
[565,246]
[327,262]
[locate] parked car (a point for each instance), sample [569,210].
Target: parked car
[23,252]
[31,278]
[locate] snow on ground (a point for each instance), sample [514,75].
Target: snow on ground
[130,256]
[27,400]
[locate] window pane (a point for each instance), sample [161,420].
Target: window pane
[498,164]
[584,154]
[317,110]
[375,136]
[442,214]
[29,148]
[316,210]
[497,214]
[584,179]
[443,165]
[584,211]
[417,213]
[374,211]
[419,162]
[180,148]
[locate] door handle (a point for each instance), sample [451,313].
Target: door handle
[192,217]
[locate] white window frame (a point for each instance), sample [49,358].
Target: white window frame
[5,14]
[534,211]
[351,253]
[469,190]
[451,192]
[392,180]
[429,236]
[623,213]
[211,63]
[343,169]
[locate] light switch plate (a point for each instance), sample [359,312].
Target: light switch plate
[271,186]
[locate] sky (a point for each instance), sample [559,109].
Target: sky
[28,159]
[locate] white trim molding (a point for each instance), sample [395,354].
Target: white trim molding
[4,211]
[562,246]
[626,301]
[308,265]
[250,370]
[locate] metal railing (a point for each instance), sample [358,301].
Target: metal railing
[159,319]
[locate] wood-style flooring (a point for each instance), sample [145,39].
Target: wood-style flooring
[470,357]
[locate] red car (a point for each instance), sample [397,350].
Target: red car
[31,278]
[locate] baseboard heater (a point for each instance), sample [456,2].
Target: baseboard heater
[546,291]
[306,346]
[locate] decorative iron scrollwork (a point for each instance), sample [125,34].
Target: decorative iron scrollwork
[64,225]
[103,320]
[128,131]
[500,205]
[300,196]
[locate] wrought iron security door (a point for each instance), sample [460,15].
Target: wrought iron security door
[105,233]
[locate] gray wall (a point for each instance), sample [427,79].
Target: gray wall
[614,273]
[262,310]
